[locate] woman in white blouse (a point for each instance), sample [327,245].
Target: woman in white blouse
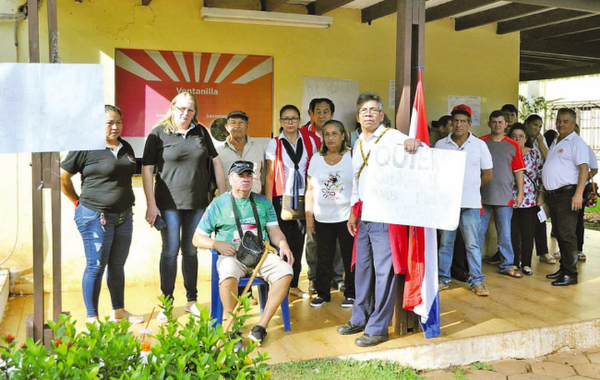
[328,208]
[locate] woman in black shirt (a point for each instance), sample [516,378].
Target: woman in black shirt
[180,148]
[104,214]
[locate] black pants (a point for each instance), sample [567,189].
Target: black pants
[294,231]
[460,264]
[327,234]
[540,236]
[564,221]
[580,229]
[522,230]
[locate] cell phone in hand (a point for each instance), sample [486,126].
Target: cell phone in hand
[159,223]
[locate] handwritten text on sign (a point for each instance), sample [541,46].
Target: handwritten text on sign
[421,189]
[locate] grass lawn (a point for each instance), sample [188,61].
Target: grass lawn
[337,369]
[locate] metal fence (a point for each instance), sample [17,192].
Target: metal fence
[588,118]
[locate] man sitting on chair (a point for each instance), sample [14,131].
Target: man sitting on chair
[219,218]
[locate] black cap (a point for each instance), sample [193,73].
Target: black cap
[241,166]
[240,114]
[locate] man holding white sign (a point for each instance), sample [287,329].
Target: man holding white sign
[478,172]
[375,279]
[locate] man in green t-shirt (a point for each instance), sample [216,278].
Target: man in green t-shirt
[220,220]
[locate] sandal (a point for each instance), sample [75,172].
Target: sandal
[548,259]
[511,273]
[299,293]
[162,317]
[527,271]
[193,310]
[131,318]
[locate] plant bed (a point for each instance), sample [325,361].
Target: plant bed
[196,350]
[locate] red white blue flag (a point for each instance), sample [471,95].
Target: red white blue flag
[421,292]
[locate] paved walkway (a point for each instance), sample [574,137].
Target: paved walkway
[568,364]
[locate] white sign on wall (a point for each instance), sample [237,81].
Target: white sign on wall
[472,101]
[342,92]
[51,107]
[422,189]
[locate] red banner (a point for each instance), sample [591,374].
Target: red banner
[147,81]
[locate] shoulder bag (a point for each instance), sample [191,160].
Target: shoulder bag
[251,246]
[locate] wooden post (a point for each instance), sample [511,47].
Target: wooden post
[54,182]
[45,174]
[37,196]
[410,47]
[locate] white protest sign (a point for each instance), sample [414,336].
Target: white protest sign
[422,189]
[51,107]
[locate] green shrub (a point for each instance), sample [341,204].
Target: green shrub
[108,350]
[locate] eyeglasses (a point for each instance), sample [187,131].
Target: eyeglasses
[288,120]
[518,137]
[185,110]
[364,111]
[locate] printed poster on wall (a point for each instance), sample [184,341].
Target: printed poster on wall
[147,81]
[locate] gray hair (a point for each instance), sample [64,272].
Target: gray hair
[368,96]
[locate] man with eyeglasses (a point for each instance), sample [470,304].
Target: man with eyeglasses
[374,273]
[219,219]
[239,145]
[321,110]
[478,172]
[497,195]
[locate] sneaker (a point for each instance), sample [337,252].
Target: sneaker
[443,286]
[481,290]
[556,255]
[317,302]
[581,256]
[341,286]
[258,334]
[238,345]
[348,302]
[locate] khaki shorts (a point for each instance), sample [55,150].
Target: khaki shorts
[272,269]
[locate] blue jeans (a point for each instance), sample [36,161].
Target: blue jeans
[469,225]
[105,246]
[502,217]
[181,225]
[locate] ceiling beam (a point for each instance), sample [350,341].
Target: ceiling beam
[550,17]
[560,73]
[321,7]
[379,10]
[549,63]
[555,61]
[576,5]
[271,5]
[453,8]
[587,51]
[583,37]
[490,16]
[563,28]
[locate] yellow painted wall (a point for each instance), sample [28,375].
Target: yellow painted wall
[89,32]
[474,62]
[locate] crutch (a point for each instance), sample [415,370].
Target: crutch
[268,248]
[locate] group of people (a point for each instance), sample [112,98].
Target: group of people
[304,193]
[513,172]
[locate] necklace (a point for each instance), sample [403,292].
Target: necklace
[333,159]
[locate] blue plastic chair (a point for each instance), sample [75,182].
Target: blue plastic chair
[216,307]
